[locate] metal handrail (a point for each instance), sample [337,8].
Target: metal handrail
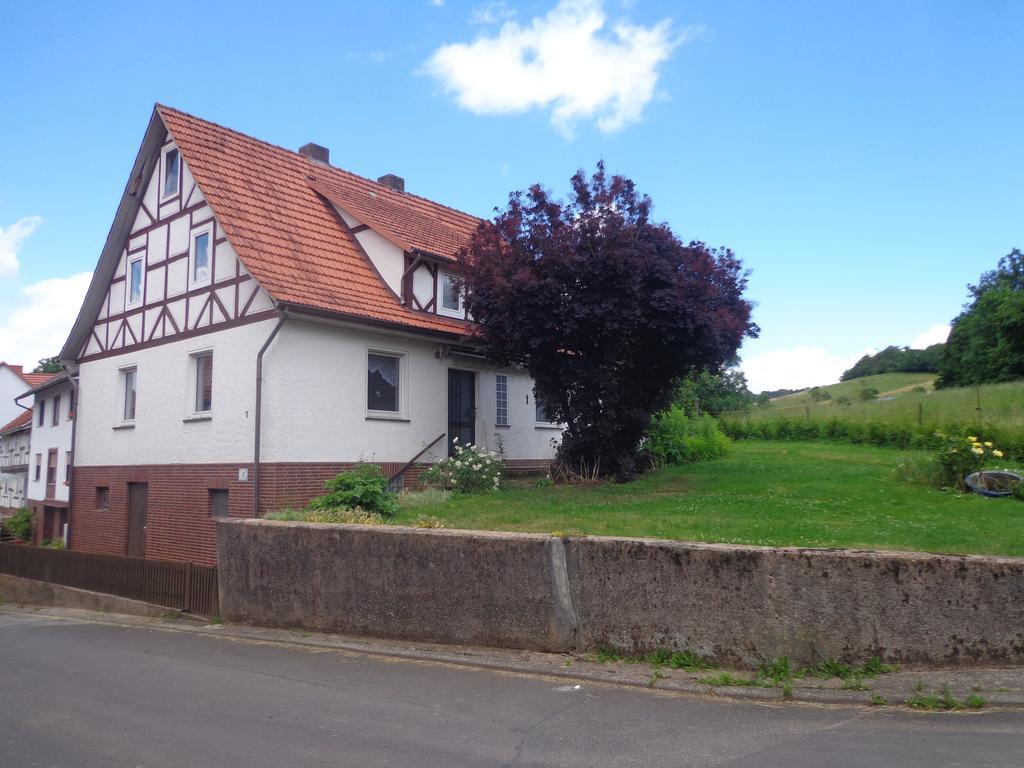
[413,459]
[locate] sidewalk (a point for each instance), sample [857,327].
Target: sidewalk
[994,687]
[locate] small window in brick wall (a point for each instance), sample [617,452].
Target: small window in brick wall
[102,497]
[219,502]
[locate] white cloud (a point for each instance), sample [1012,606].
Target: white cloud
[38,325]
[937,334]
[437,3]
[568,61]
[492,13]
[794,368]
[10,241]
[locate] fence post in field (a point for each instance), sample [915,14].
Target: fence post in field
[807,412]
[977,392]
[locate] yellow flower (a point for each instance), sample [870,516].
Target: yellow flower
[987,444]
[978,450]
[997,454]
[972,439]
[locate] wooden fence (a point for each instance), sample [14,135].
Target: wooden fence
[183,586]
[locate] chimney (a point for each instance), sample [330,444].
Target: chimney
[316,153]
[391,181]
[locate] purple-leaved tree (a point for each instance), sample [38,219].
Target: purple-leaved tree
[605,309]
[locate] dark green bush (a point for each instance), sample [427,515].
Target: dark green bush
[363,487]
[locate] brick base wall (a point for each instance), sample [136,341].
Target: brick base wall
[179,523]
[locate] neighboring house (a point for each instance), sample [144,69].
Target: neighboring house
[13,381]
[50,455]
[15,439]
[258,321]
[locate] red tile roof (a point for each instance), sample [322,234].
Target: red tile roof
[291,240]
[20,421]
[32,379]
[35,379]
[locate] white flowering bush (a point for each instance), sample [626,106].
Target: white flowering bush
[471,470]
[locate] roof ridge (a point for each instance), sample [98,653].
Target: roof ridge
[159,107]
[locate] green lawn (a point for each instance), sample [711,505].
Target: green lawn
[766,493]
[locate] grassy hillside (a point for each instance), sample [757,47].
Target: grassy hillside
[900,417]
[887,384]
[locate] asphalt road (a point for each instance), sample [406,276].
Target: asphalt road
[82,694]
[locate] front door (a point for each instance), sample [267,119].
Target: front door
[461,408]
[138,494]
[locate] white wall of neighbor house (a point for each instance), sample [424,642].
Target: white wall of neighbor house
[51,434]
[167,428]
[315,400]
[11,385]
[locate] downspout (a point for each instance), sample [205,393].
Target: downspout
[74,433]
[259,412]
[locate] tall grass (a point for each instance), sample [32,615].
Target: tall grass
[904,419]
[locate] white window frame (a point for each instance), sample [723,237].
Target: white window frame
[498,377]
[192,390]
[538,423]
[163,173]
[140,259]
[441,308]
[402,398]
[122,394]
[203,229]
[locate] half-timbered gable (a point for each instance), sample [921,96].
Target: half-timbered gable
[177,273]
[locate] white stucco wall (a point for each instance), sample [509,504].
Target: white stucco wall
[11,385]
[47,436]
[315,400]
[161,434]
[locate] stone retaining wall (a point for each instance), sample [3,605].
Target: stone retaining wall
[736,604]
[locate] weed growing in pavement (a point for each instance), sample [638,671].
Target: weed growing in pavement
[942,700]
[877,700]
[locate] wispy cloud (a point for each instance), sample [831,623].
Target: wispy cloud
[37,324]
[368,57]
[494,12]
[11,239]
[437,3]
[569,61]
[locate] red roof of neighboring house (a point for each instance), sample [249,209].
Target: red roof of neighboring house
[270,203]
[35,379]
[32,379]
[22,420]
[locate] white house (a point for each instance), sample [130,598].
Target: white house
[50,455]
[259,320]
[13,381]
[15,445]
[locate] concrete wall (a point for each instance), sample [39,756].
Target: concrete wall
[737,604]
[16,590]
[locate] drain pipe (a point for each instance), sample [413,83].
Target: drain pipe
[259,412]
[74,434]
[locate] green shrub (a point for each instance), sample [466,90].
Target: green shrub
[429,521]
[363,487]
[960,456]
[675,438]
[471,470]
[868,393]
[19,525]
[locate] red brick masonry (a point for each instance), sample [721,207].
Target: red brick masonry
[179,523]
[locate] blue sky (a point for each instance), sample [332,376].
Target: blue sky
[863,159]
